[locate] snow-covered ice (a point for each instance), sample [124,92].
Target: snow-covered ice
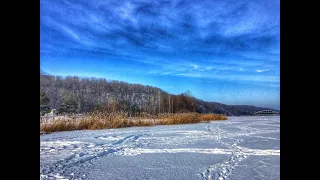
[238,148]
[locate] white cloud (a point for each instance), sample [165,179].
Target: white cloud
[70,32]
[262,70]
[194,66]
[232,77]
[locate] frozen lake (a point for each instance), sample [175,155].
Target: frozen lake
[238,148]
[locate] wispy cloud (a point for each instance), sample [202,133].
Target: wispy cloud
[262,70]
[71,33]
[234,77]
[168,26]
[193,67]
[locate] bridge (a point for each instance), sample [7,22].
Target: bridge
[266,113]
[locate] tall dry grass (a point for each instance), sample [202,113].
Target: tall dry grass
[120,119]
[209,117]
[188,118]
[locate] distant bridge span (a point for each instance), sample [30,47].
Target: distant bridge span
[266,113]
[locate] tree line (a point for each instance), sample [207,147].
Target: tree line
[73,94]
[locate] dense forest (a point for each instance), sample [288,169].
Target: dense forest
[73,94]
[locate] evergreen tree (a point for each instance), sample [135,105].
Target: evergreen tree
[44,103]
[68,104]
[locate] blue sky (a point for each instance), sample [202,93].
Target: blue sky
[225,51]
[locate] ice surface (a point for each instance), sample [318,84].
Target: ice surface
[238,148]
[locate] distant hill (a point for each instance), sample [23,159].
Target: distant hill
[229,110]
[75,94]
